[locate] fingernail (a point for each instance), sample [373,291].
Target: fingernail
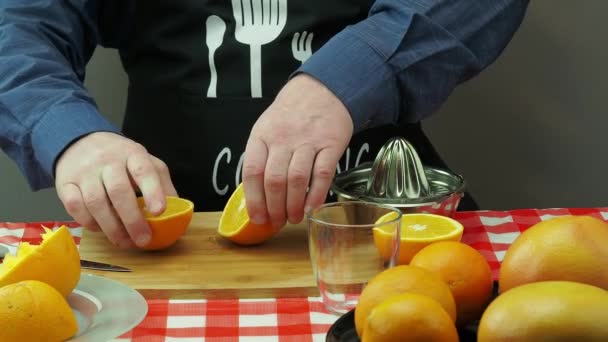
[156,208]
[142,240]
[258,219]
[296,219]
[307,209]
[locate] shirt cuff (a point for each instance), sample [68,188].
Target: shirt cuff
[359,77]
[62,125]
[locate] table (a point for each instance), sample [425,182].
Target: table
[287,319]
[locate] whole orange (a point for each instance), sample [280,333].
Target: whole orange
[466,272]
[398,280]
[170,225]
[409,317]
[557,311]
[573,248]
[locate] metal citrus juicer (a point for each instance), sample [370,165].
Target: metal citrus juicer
[398,178]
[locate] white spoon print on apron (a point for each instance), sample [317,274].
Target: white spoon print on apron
[301,46]
[258,22]
[215,28]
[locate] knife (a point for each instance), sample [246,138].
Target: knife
[94,265]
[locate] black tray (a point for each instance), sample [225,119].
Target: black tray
[343,330]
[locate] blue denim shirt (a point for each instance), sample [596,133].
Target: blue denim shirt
[401,63]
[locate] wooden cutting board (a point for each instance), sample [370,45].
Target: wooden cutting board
[204,265]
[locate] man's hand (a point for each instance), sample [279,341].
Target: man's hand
[293,147]
[96,179]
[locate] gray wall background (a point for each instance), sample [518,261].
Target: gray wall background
[529,132]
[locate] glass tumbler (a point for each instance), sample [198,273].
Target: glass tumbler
[349,243]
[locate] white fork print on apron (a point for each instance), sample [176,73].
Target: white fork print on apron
[258,22]
[301,46]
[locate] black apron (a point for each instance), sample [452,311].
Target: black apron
[197,84]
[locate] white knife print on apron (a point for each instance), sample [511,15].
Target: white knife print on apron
[215,28]
[258,22]
[301,46]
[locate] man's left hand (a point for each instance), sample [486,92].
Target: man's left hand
[293,150]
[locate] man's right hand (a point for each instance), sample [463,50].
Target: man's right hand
[97,178]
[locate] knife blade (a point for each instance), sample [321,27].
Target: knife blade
[100,266]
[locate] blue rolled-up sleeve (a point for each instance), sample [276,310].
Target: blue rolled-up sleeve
[407,56]
[44,106]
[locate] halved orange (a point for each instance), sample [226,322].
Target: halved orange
[31,310]
[55,261]
[417,231]
[235,225]
[170,225]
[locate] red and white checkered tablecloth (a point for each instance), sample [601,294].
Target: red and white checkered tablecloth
[288,319]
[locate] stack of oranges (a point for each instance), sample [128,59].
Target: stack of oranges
[553,283]
[446,285]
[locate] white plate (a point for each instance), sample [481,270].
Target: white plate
[105,309]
